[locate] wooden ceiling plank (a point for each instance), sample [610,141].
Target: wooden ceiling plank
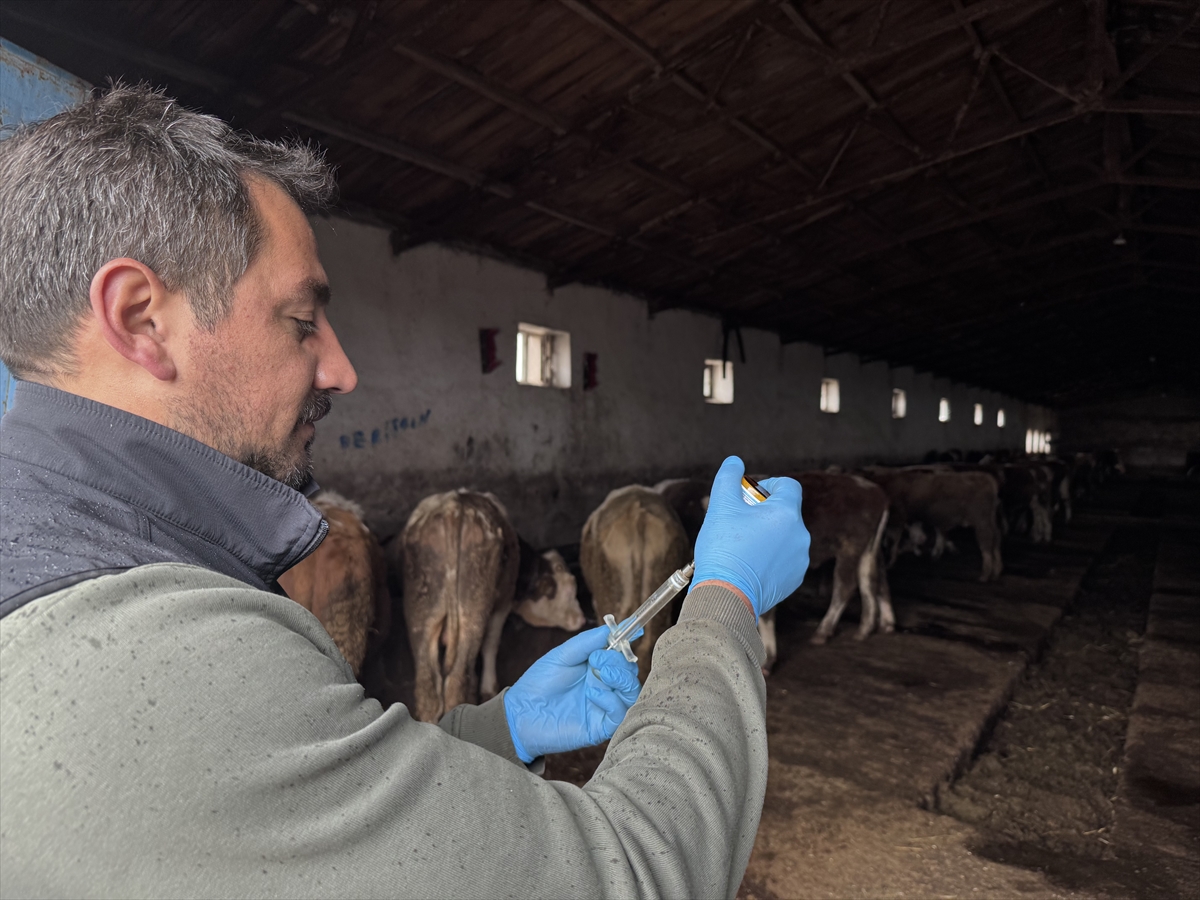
[482,85]
[1154,51]
[1059,89]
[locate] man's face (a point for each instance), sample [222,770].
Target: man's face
[257,383]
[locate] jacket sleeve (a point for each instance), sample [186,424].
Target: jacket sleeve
[171,731]
[486,726]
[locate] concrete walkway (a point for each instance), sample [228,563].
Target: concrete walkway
[1158,800]
[863,735]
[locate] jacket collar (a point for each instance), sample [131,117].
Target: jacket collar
[205,494]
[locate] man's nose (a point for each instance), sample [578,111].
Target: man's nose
[335,372]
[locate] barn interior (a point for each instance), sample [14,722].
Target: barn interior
[811,233]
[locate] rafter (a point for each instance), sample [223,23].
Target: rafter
[618,32]
[479,180]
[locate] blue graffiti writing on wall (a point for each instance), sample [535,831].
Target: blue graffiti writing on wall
[391,428]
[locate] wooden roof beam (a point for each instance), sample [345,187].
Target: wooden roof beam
[632,42]
[939,316]
[476,179]
[482,85]
[1152,53]
[927,231]
[850,305]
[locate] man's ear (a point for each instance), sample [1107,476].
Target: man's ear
[131,304]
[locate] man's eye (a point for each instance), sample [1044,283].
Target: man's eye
[306,327]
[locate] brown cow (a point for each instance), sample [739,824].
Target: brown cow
[1025,496]
[846,516]
[344,581]
[546,591]
[942,500]
[460,557]
[631,543]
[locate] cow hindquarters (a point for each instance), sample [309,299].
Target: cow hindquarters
[426,640]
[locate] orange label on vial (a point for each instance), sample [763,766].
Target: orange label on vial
[752,492]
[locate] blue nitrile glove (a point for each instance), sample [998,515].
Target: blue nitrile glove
[574,696]
[761,550]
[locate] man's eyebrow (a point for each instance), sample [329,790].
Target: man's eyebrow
[319,290]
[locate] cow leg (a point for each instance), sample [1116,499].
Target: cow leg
[866,591]
[883,594]
[428,683]
[987,535]
[939,544]
[843,587]
[766,630]
[491,647]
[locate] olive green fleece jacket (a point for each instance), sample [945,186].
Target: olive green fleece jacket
[173,732]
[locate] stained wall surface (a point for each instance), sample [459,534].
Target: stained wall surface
[1154,433]
[426,418]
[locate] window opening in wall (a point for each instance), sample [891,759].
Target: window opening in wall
[944,410]
[978,413]
[999,418]
[1037,441]
[831,395]
[543,356]
[718,381]
[899,403]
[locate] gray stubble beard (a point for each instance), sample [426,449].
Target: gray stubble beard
[226,432]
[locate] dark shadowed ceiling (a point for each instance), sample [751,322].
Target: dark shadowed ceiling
[999,191]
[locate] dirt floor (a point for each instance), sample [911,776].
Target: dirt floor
[1042,791]
[981,751]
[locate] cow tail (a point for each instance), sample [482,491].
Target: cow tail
[869,562]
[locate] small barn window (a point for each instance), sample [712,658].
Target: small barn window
[899,403]
[999,418]
[831,396]
[1037,441]
[543,356]
[978,413]
[718,381]
[944,410]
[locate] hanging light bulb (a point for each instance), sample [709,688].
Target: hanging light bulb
[1119,240]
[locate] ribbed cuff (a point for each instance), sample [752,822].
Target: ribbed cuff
[711,601]
[486,726]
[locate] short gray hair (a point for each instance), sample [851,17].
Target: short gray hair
[128,172]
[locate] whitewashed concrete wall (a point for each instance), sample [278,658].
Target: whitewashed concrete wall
[426,418]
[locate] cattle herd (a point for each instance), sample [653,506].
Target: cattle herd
[461,567]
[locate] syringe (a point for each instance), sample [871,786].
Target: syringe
[618,638]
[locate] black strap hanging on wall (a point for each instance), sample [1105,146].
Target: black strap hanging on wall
[726,328]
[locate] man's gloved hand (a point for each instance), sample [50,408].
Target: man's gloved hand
[574,696]
[761,550]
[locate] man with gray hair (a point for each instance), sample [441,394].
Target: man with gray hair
[170,723]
